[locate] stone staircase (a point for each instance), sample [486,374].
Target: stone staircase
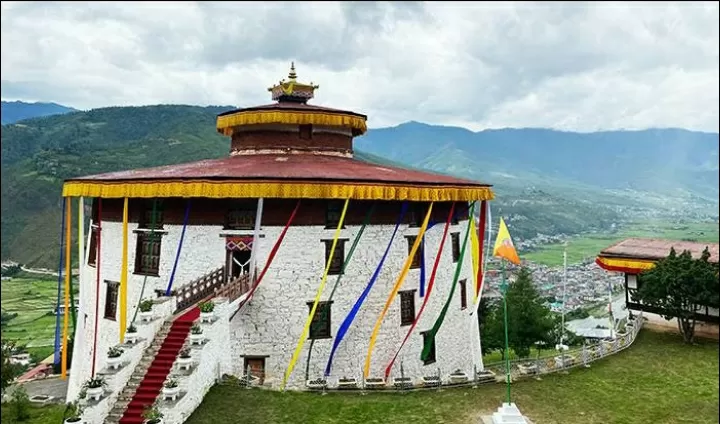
[126,395]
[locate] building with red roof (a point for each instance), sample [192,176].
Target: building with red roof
[258,232]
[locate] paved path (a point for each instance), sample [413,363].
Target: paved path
[52,386]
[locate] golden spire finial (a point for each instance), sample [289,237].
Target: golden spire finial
[292,74]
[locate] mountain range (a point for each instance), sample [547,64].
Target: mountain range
[546,181]
[12,112]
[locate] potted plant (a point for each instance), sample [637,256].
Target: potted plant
[206,311]
[374,383]
[73,413]
[184,358]
[152,414]
[114,357]
[95,387]
[196,334]
[431,380]
[171,388]
[131,335]
[146,312]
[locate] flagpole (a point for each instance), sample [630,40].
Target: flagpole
[505,320]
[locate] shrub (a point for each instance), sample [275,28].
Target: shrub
[21,404]
[132,329]
[196,329]
[171,383]
[94,383]
[115,352]
[206,307]
[146,305]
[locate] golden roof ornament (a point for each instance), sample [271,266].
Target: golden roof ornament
[293,91]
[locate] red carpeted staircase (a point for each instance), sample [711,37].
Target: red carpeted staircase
[152,384]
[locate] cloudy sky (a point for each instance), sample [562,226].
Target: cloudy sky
[574,66]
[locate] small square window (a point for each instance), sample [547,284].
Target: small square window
[320,324]
[418,253]
[407,307]
[338,258]
[455,246]
[147,254]
[111,295]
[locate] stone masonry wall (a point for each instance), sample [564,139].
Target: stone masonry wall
[271,323]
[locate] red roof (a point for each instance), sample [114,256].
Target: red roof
[301,107]
[655,249]
[292,167]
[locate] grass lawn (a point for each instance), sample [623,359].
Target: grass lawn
[38,415]
[589,245]
[658,380]
[31,299]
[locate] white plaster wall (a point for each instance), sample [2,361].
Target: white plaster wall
[192,264]
[632,281]
[272,322]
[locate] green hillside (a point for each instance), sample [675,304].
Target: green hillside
[38,154]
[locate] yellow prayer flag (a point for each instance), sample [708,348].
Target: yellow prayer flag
[475,244]
[504,247]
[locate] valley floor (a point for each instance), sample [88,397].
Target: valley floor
[584,247]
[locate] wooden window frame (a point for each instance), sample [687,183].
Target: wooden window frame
[417,214]
[92,253]
[145,221]
[455,243]
[407,312]
[112,289]
[139,268]
[417,259]
[432,358]
[333,211]
[338,259]
[326,331]
[463,294]
[240,209]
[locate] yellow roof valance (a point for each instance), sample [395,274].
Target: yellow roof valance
[272,189]
[226,123]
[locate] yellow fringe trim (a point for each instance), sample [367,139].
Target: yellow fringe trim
[226,123]
[637,264]
[274,189]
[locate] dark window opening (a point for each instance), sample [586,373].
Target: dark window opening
[416,259]
[338,258]
[92,254]
[417,214]
[147,254]
[240,217]
[463,293]
[111,295]
[305,132]
[407,307]
[455,246]
[333,212]
[147,219]
[431,357]
[320,324]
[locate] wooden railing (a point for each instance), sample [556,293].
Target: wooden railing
[199,289]
[235,288]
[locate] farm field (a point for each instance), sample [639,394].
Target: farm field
[588,246]
[33,300]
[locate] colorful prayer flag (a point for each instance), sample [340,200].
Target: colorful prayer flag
[504,247]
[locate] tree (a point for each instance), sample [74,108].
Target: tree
[680,285]
[490,321]
[9,370]
[529,320]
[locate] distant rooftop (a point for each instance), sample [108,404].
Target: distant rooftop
[656,249]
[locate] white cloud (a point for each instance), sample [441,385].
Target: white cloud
[575,66]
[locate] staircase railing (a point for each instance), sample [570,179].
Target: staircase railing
[193,292]
[234,288]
